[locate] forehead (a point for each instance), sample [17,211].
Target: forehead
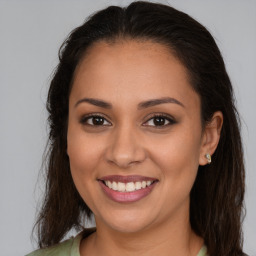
[125,54]
[132,70]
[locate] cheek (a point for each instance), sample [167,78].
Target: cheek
[84,155]
[83,151]
[178,157]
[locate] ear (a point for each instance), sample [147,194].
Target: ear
[211,137]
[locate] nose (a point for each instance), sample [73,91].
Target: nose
[125,148]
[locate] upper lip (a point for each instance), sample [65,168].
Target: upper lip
[126,179]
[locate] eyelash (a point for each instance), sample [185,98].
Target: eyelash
[165,117]
[84,120]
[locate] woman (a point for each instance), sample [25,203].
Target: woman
[144,134]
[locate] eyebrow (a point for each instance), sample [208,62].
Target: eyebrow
[95,102]
[154,102]
[144,104]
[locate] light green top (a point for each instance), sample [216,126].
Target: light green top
[70,247]
[203,251]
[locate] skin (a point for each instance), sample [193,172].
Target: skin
[129,142]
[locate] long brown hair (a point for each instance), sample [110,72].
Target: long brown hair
[216,208]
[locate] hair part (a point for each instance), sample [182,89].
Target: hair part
[216,201]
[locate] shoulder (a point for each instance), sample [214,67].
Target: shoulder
[203,251]
[56,250]
[65,248]
[68,247]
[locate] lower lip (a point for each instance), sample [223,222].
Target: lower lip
[127,197]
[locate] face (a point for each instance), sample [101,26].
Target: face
[134,135]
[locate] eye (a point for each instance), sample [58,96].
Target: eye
[95,120]
[160,121]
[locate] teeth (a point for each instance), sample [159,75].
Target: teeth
[130,186]
[114,185]
[127,187]
[120,186]
[148,183]
[138,185]
[109,184]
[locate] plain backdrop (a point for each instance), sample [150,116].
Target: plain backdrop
[31,31]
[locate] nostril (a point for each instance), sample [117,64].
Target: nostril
[125,149]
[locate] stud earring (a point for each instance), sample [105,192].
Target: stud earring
[209,158]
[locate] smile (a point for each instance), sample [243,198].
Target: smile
[127,188]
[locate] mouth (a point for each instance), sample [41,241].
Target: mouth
[127,188]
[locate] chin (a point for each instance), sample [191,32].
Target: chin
[127,223]
[129,227]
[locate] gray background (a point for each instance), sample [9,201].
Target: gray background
[30,35]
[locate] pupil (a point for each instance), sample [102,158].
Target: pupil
[159,121]
[98,121]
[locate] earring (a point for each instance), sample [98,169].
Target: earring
[209,158]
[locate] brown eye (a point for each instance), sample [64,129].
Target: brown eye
[95,121]
[159,121]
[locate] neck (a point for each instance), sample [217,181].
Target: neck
[167,238]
